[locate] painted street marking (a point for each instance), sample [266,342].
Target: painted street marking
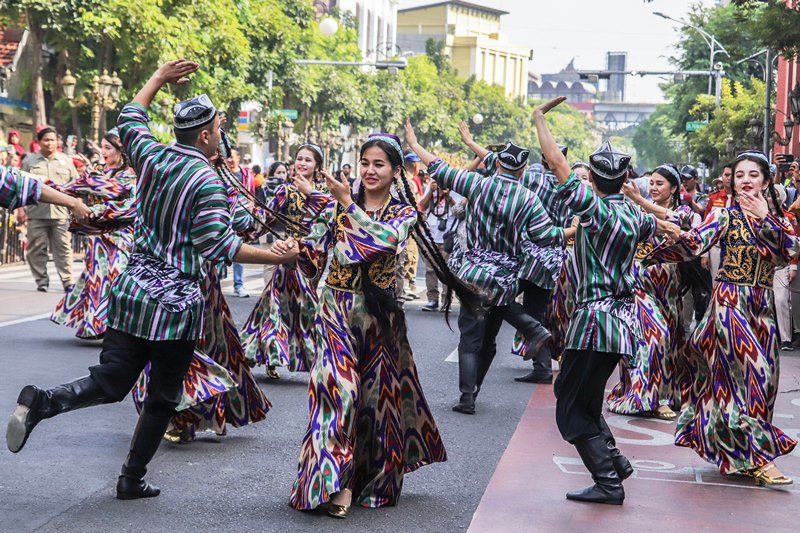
[26,319]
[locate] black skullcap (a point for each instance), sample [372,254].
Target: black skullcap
[193,113]
[561,147]
[608,163]
[513,157]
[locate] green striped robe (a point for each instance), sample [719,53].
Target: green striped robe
[182,218]
[501,213]
[605,247]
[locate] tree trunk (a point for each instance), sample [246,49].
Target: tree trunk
[36,36]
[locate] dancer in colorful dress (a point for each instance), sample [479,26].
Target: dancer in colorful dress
[603,328]
[18,189]
[651,383]
[109,189]
[728,418]
[370,423]
[280,329]
[156,307]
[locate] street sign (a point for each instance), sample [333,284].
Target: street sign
[291,114]
[695,126]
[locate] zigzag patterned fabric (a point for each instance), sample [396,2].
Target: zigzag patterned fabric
[107,252]
[369,421]
[280,329]
[734,350]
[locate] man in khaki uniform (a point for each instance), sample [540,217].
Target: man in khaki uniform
[48,224]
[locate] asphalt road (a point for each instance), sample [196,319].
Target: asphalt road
[64,478]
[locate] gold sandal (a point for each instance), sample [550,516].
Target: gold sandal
[272,373]
[761,477]
[338,511]
[666,415]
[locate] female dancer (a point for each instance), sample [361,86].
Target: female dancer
[280,329]
[650,383]
[370,423]
[728,418]
[109,189]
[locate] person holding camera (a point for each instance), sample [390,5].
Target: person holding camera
[437,204]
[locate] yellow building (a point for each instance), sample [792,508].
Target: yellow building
[471,33]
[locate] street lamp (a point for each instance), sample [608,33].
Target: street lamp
[730,146]
[794,102]
[103,96]
[710,40]
[756,129]
[285,133]
[327,24]
[477,119]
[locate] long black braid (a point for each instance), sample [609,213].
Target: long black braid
[230,179]
[380,303]
[422,235]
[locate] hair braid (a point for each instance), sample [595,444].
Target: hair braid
[422,235]
[778,212]
[381,304]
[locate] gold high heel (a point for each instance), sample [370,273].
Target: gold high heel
[761,477]
[338,511]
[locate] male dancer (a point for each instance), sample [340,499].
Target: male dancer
[536,282]
[603,328]
[501,214]
[155,307]
[18,189]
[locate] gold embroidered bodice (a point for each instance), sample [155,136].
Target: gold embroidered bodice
[740,261]
[381,271]
[296,206]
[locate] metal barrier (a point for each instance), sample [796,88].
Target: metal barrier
[12,240]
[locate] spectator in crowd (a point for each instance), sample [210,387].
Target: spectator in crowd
[48,225]
[689,180]
[13,141]
[784,275]
[245,177]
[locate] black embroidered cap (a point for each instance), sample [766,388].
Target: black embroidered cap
[193,113]
[513,157]
[561,147]
[608,163]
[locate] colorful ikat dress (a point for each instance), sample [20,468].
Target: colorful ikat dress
[280,329]
[109,241]
[728,418]
[219,388]
[657,374]
[369,421]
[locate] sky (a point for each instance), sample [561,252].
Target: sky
[559,30]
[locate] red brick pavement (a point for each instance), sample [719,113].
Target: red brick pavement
[671,490]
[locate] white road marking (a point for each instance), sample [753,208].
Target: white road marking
[26,319]
[453,357]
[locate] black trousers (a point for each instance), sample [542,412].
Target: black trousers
[535,300]
[123,358]
[477,344]
[580,392]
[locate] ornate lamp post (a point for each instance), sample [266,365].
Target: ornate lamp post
[103,96]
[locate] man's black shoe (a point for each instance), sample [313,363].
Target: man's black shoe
[532,377]
[466,404]
[129,488]
[24,418]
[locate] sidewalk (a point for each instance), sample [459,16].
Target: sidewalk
[671,490]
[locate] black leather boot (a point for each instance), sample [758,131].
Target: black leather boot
[466,404]
[621,463]
[607,486]
[146,437]
[35,404]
